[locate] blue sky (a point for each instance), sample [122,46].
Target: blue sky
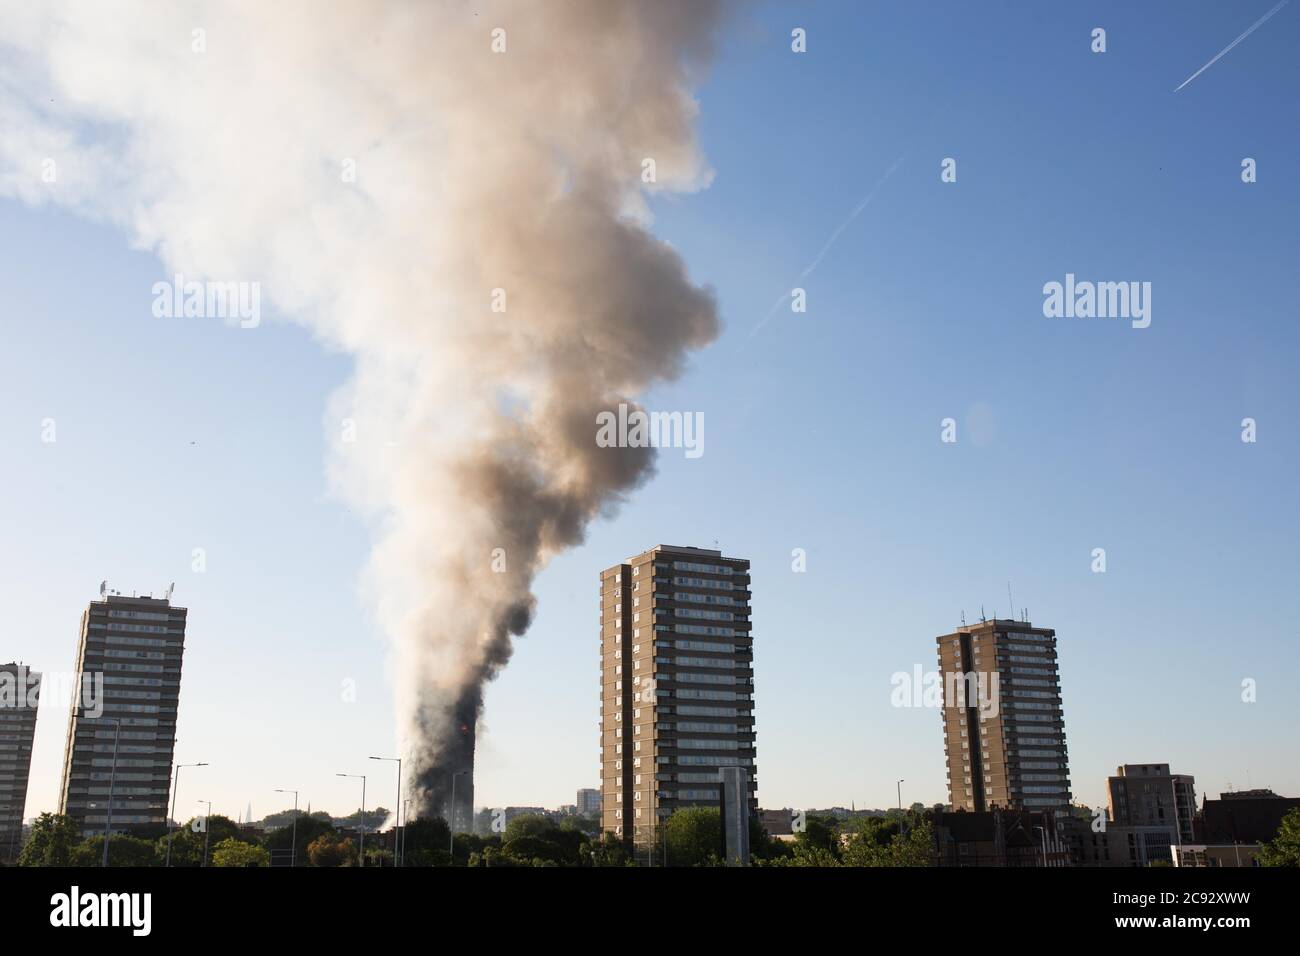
[822,428]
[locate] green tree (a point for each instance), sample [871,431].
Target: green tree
[1284,848]
[527,824]
[609,850]
[329,849]
[879,843]
[122,851]
[232,852]
[188,843]
[821,833]
[802,854]
[308,830]
[426,842]
[693,836]
[372,820]
[527,849]
[51,842]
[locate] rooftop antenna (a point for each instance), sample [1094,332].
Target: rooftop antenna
[171,587]
[963,617]
[1011,603]
[982,617]
[103,586]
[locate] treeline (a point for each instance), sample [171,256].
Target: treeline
[690,837]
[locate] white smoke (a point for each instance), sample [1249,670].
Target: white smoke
[223,136]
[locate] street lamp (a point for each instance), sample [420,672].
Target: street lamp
[207,830]
[176,785]
[293,856]
[902,823]
[406,815]
[397,819]
[361,854]
[112,778]
[451,827]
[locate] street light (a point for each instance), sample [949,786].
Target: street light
[293,856]
[902,823]
[171,818]
[451,827]
[406,815]
[361,854]
[207,830]
[112,778]
[397,820]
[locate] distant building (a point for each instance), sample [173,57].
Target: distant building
[676,686]
[1218,855]
[1149,795]
[777,823]
[1004,734]
[1141,844]
[588,802]
[19,695]
[136,644]
[1246,816]
[1002,838]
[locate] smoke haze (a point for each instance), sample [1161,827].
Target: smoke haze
[466,435]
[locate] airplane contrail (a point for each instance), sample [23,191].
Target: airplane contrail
[1253,27]
[829,242]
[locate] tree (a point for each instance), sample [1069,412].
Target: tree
[693,836]
[1284,848]
[609,850]
[426,842]
[822,833]
[370,820]
[309,828]
[328,849]
[51,843]
[122,851]
[188,842]
[527,824]
[232,852]
[879,843]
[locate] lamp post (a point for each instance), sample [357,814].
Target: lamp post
[1043,843]
[112,778]
[451,827]
[207,830]
[176,785]
[397,818]
[293,855]
[361,827]
[901,822]
[406,815]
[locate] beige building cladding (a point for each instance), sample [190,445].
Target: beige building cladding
[136,643]
[676,685]
[1005,741]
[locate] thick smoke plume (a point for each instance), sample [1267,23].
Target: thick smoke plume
[389,172]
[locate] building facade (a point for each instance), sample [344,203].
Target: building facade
[131,647]
[1004,732]
[19,695]
[588,802]
[676,686]
[1148,795]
